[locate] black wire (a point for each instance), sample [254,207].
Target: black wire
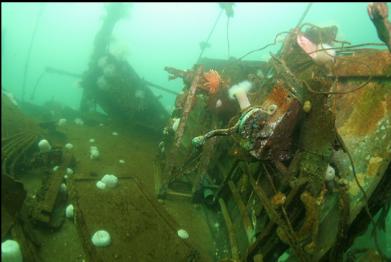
[209,36]
[275,39]
[264,47]
[37,83]
[26,66]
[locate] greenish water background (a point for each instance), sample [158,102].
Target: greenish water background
[155,35]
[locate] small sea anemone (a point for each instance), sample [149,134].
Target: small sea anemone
[175,124]
[330,173]
[69,171]
[240,92]
[101,238]
[110,180]
[44,146]
[62,122]
[10,251]
[63,187]
[100,185]
[94,152]
[213,81]
[69,211]
[183,234]
[219,103]
[79,121]
[68,146]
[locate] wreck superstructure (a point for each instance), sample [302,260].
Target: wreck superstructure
[287,168]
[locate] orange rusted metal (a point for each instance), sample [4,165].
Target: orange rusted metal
[188,105]
[367,62]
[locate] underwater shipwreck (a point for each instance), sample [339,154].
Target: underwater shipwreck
[279,160]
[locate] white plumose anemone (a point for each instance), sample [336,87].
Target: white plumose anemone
[100,185]
[44,146]
[175,124]
[240,92]
[109,180]
[63,187]
[330,173]
[10,251]
[62,121]
[69,211]
[101,238]
[68,146]
[219,103]
[183,234]
[94,152]
[79,121]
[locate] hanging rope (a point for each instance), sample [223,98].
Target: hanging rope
[209,36]
[32,96]
[307,9]
[26,66]
[228,19]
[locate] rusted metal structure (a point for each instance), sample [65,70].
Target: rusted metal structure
[378,13]
[131,221]
[113,84]
[299,173]
[269,175]
[18,137]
